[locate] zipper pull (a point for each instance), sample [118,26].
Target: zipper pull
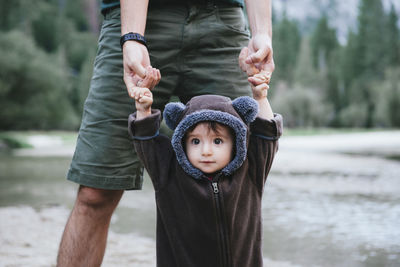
[215,186]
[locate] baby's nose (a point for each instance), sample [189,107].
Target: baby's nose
[206,149]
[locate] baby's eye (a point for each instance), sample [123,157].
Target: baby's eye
[195,141]
[217,141]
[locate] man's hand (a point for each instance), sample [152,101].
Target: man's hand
[135,60]
[258,56]
[250,69]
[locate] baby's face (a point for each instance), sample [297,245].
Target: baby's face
[209,150]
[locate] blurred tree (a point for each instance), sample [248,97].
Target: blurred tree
[368,58]
[334,91]
[81,87]
[370,40]
[325,50]
[393,39]
[323,43]
[46,27]
[393,82]
[287,43]
[8,18]
[305,74]
[78,46]
[349,60]
[75,11]
[42,80]
[33,87]
[388,100]
[17,14]
[301,107]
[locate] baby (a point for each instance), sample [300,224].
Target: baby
[209,178]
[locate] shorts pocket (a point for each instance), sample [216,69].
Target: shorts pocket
[232,18]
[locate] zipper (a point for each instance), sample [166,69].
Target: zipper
[215,187]
[220,223]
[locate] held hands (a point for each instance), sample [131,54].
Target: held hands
[141,92]
[259,79]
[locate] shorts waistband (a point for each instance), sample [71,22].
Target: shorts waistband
[199,3]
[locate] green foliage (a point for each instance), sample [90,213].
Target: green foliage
[9,10]
[387,112]
[323,43]
[74,11]
[370,41]
[364,62]
[10,141]
[354,115]
[349,60]
[46,43]
[358,112]
[287,43]
[33,87]
[46,27]
[393,39]
[305,74]
[78,46]
[81,89]
[301,107]
[358,84]
[17,14]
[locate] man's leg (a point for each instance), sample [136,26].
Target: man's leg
[85,235]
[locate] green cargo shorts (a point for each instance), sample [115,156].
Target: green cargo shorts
[196,48]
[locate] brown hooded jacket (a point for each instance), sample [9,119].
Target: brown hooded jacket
[201,222]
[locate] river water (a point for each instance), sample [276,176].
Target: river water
[330,200]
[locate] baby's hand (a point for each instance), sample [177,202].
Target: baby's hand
[143,99]
[259,84]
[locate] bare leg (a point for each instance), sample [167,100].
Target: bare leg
[85,235]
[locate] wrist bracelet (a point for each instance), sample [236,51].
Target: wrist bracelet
[131,36]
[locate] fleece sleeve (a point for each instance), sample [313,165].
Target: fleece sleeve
[154,150]
[263,145]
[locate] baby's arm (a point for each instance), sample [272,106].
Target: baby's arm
[259,85]
[142,95]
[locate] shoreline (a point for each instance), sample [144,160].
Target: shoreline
[30,237]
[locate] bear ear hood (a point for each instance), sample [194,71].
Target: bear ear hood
[173,113]
[245,106]
[235,114]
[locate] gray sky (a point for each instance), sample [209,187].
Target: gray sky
[343,17]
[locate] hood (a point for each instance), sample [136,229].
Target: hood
[236,114]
